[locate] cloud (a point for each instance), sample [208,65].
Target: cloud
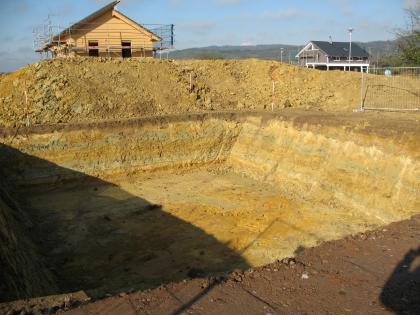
[345,7]
[15,58]
[278,15]
[123,3]
[15,7]
[200,28]
[176,3]
[238,17]
[411,4]
[228,2]
[63,9]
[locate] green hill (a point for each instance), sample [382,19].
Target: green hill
[377,49]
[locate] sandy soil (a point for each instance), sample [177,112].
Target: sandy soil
[82,89]
[208,221]
[89,234]
[371,273]
[376,272]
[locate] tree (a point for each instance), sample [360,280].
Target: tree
[408,40]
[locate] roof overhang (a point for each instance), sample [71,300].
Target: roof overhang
[136,25]
[303,49]
[108,7]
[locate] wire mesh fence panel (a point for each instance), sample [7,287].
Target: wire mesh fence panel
[392,89]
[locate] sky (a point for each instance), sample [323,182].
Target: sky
[211,22]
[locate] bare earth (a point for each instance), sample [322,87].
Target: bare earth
[370,273]
[102,246]
[120,239]
[83,89]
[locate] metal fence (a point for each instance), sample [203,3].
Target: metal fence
[391,89]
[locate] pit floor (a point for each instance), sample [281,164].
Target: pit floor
[145,230]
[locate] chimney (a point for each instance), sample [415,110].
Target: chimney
[331,40]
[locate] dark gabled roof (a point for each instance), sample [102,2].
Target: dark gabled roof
[341,49]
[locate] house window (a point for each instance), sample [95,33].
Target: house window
[93,48]
[126,49]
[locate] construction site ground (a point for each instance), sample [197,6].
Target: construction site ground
[82,89]
[190,187]
[376,272]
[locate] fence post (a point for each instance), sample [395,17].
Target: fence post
[273,95]
[391,89]
[362,84]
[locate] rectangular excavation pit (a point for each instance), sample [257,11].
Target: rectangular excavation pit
[139,204]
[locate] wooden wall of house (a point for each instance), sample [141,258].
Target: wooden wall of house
[108,30]
[312,56]
[118,53]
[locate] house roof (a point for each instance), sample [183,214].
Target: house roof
[139,26]
[94,15]
[90,17]
[341,49]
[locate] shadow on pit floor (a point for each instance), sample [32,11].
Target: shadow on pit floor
[401,292]
[96,237]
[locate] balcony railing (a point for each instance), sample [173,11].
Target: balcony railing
[349,61]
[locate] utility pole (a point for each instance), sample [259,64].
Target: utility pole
[281,55]
[350,33]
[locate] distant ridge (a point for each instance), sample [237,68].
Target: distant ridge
[272,52]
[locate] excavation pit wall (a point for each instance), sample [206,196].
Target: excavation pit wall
[133,204]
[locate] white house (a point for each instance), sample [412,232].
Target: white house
[334,55]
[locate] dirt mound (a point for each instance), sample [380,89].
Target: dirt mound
[85,89]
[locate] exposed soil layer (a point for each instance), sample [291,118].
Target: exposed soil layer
[85,89]
[128,205]
[22,273]
[375,272]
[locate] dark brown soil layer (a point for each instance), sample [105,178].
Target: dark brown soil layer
[376,272]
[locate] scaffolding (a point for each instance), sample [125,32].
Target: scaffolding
[42,35]
[109,38]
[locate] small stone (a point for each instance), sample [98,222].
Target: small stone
[305,276]
[287,104]
[58,94]
[77,108]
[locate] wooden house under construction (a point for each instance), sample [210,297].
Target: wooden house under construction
[106,32]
